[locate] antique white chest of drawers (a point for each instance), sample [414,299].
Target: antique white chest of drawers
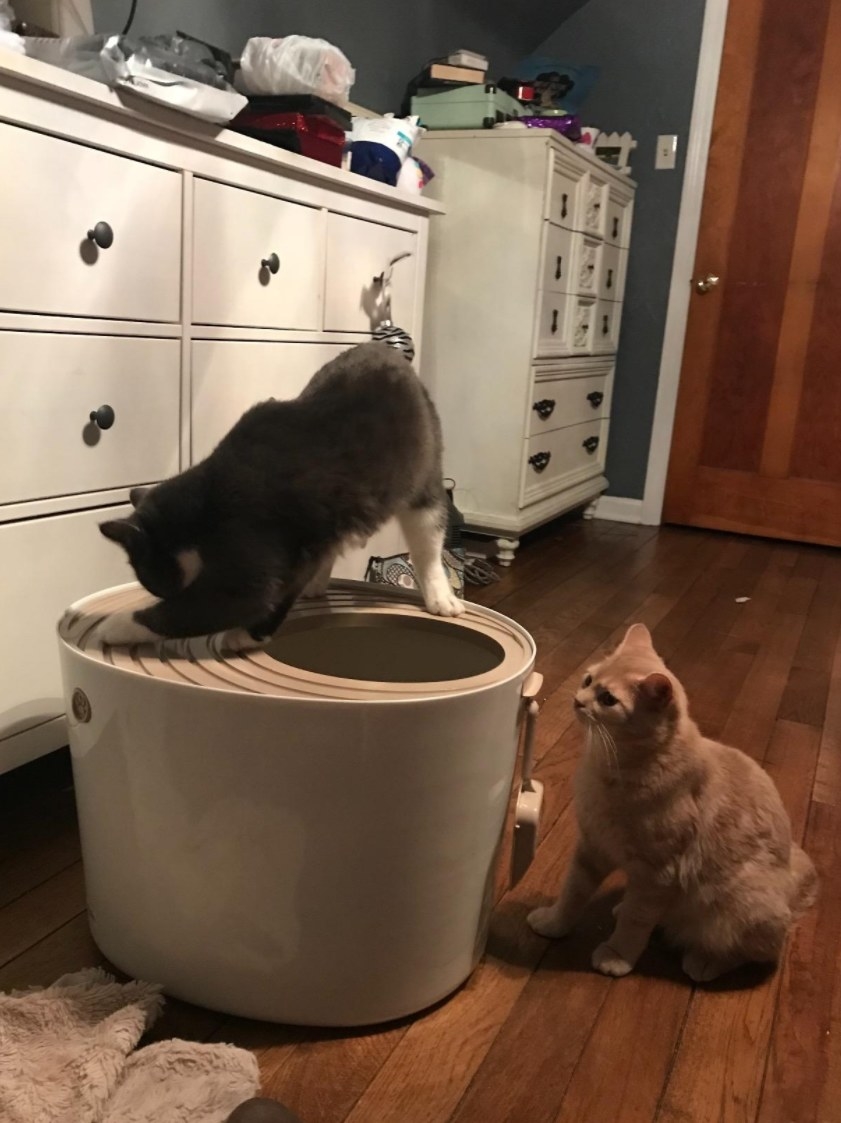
[526,280]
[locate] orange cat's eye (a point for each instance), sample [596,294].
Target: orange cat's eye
[606,699]
[588,679]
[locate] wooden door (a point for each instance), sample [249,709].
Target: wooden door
[757,438]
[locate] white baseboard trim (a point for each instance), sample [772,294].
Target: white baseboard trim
[615,509]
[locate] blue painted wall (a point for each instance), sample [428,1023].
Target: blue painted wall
[648,54]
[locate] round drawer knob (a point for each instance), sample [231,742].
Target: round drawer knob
[103,417]
[102,235]
[272,263]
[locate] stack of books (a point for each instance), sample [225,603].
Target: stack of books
[461,68]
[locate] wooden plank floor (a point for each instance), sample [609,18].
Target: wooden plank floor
[536,1036]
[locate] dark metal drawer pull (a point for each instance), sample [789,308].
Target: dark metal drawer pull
[591,444]
[595,398]
[540,460]
[544,408]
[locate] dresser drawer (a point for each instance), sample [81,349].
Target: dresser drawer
[612,273]
[50,384]
[606,335]
[46,565]
[257,260]
[562,458]
[56,198]
[618,225]
[553,324]
[357,252]
[231,376]
[565,198]
[558,269]
[559,402]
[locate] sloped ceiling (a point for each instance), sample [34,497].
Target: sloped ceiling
[526,25]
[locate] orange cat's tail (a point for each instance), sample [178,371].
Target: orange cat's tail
[804,881]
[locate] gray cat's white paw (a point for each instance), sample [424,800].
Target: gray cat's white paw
[121,629]
[442,601]
[610,962]
[545,922]
[316,589]
[240,639]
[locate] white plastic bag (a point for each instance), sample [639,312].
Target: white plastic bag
[297,65]
[135,70]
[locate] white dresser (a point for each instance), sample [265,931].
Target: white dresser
[157,277]
[524,301]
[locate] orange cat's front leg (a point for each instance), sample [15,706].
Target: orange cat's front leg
[588,870]
[641,910]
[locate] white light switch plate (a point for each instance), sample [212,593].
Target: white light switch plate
[666,156]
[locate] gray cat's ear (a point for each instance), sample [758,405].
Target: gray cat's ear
[637,638]
[657,690]
[137,494]
[124,532]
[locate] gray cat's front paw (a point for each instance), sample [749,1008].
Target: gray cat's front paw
[240,639]
[121,630]
[610,962]
[441,600]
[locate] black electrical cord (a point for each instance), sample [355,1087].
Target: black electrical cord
[130,20]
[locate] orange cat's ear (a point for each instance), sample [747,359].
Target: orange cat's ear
[657,691]
[637,638]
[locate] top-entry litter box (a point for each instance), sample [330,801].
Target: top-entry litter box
[305,833]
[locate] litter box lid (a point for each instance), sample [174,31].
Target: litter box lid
[362,642]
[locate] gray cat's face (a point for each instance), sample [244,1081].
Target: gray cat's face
[155,568]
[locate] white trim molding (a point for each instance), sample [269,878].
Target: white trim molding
[616,509]
[694,178]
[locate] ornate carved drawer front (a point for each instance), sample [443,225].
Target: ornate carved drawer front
[559,402]
[87,233]
[562,458]
[589,267]
[91,412]
[595,205]
[257,261]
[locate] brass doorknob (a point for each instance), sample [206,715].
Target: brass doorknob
[704,284]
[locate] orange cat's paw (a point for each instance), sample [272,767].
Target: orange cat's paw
[610,962]
[545,922]
[703,968]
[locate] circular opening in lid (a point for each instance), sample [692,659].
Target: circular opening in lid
[384,647]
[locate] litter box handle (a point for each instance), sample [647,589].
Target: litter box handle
[530,795]
[531,688]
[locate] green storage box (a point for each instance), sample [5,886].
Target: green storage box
[468,107]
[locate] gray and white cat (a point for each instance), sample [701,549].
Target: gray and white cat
[230,544]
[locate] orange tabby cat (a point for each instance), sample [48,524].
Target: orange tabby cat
[698,828]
